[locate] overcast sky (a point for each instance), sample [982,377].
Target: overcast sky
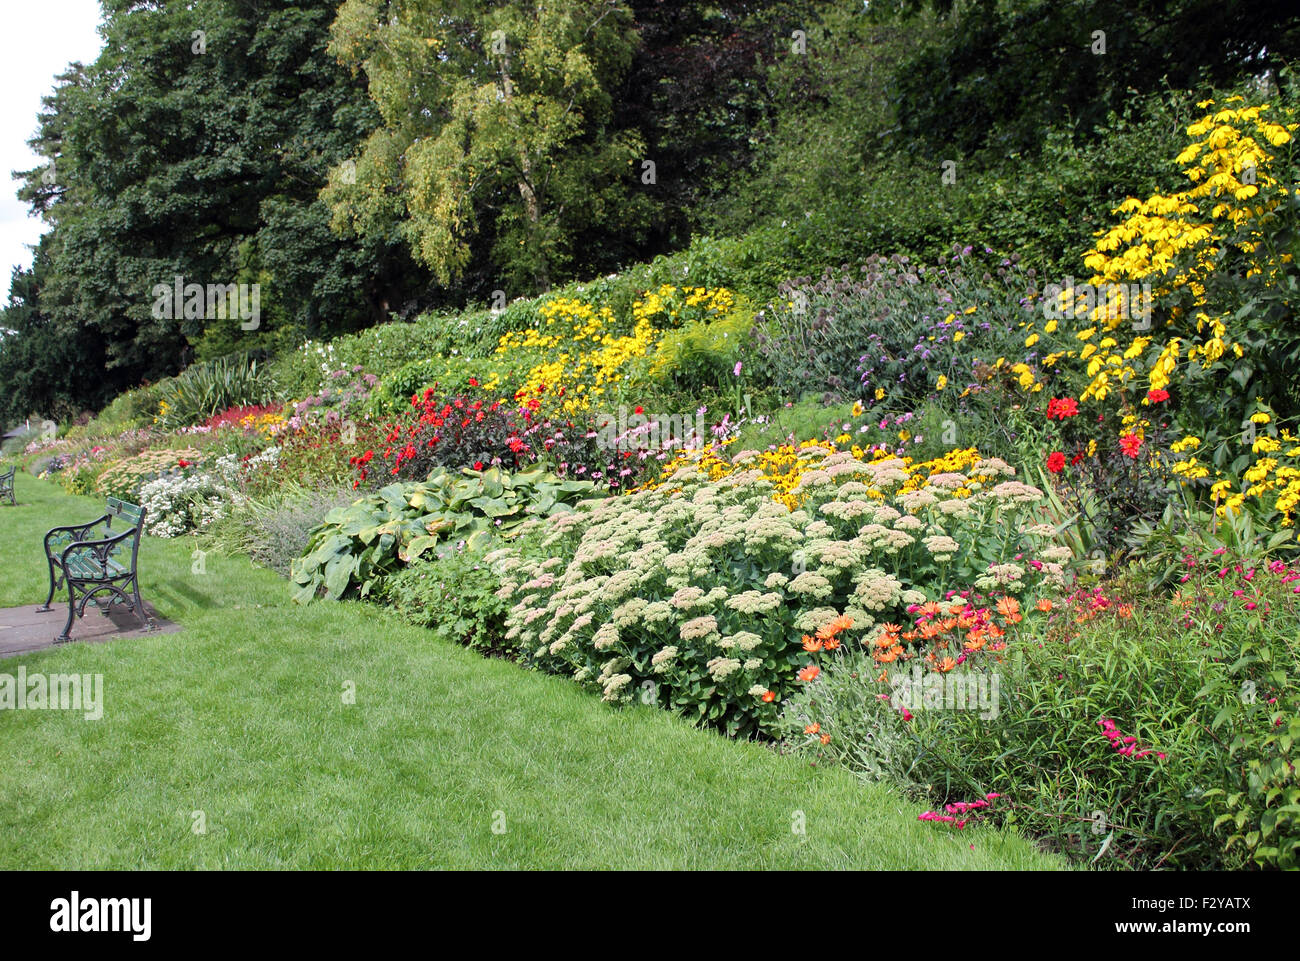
[38,38]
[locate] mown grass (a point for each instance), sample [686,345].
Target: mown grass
[242,716]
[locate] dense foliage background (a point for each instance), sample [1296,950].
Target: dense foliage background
[367,161]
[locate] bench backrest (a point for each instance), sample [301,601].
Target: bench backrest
[7,477]
[129,514]
[132,519]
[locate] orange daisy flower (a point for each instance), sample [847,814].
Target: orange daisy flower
[811,644]
[842,623]
[809,673]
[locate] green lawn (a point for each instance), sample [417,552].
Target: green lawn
[241,716]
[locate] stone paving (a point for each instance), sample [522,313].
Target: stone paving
[24,629]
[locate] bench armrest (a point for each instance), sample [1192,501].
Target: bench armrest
[69,534]
[99,550]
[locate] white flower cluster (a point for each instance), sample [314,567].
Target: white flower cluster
[176,505]
[230,470]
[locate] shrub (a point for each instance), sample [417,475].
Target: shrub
[703,589]
[207,389]
[377,350]
[125,478]
[132,409]
[455,595]
[900,330]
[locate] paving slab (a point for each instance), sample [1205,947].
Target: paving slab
[24,629]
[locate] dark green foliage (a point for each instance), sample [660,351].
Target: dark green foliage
[455,595]
[1003,72]
[353,550]
[45,370]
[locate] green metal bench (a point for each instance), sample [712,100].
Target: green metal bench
[88,565]
[7,485]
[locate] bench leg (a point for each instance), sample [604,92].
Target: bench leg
[139,604]
[72,612]
[50,596]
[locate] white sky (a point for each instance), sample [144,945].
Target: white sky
[38,38]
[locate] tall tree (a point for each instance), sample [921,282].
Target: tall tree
[196,146]
[497,148]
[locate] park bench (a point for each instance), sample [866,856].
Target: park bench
[89,565]
[7,485]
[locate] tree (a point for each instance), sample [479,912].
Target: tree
[196,146]
[1008,70]
[43,368]
[496,147]
[698,91]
